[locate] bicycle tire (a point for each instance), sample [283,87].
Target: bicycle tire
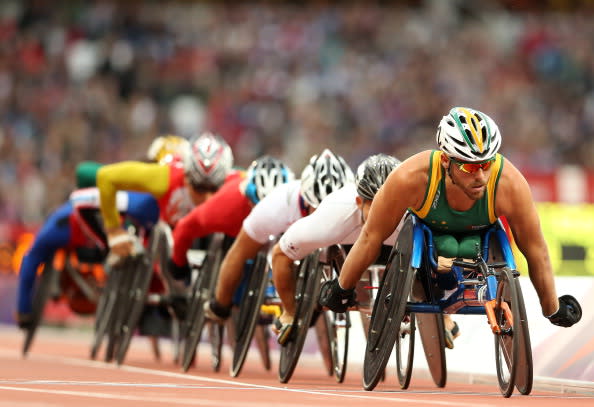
[41,295]
[249,311]
[507,341]
[389,307]
[307,289]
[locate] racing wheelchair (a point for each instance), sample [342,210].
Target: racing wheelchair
[205,265]
[333,328]
[128,291]
[75,275]
[258,303]
[488,285]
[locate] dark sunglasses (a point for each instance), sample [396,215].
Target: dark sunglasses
[471,168]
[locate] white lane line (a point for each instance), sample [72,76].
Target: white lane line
[185,376]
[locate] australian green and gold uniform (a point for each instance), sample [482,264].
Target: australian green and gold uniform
[455,232]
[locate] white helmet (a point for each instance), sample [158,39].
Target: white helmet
[468,135]
[208,161]
[263,175]
[168,148]
[324,174]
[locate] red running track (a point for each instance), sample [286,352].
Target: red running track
[58,372]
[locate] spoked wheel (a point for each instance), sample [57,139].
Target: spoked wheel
[507,340]
[389,307]
[524,375]
[307,288]
[201,290]
[405,350]
[42,292]
[142,274]
[431,328]
[249,311]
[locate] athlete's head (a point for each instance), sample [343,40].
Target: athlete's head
[263,175]
[372,173]
[468,135]
[325,173]
[167,149]
[208,162]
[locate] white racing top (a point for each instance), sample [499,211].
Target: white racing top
[275,213]
[338,220]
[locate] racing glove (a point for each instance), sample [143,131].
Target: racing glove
[569,312]
[179,272]
[336,298]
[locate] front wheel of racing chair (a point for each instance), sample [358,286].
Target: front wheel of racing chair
[389,308]
[306,291]
[524,375]
[333,328]
[508,331]
[246,319]
[45,284]
[205,273]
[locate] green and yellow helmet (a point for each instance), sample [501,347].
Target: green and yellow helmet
[468,135]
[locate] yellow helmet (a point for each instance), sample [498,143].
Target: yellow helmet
[168,148]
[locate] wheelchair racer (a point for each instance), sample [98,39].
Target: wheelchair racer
[73,226]
[462,187]
[325,173]
[337,220]
[226,210]
[177,187]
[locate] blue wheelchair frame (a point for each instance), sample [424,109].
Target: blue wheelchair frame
[423,238]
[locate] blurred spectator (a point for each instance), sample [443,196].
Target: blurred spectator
[99,80]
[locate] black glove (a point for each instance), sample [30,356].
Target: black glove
[569,312]
[24,321]
[179,306]
[336,298]
[179,272]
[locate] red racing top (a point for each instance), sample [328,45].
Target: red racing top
[224,212]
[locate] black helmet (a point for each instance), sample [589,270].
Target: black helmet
[372,174]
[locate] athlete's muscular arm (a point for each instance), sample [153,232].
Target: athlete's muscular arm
[404,188]
[514,201]
[231,271]
[132,176]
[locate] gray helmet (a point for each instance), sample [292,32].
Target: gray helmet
[208,160]
[263,175]
[324,174]
[372,173]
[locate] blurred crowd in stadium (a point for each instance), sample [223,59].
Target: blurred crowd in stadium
[98,80]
